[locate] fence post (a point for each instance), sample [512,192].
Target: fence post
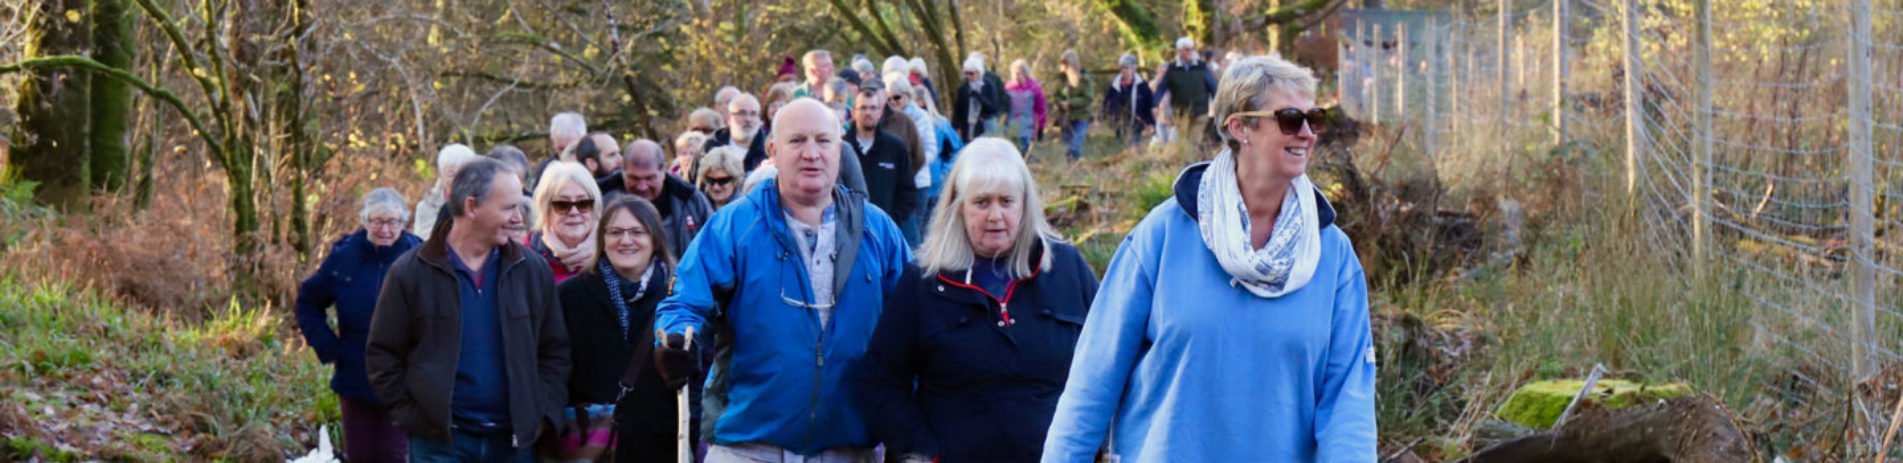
[1862,237]
[1701,161]
[1560,24]
[1633,111]
[1432,135]
[1502,62]
[1360,67]
[1403,66]
[1376,62]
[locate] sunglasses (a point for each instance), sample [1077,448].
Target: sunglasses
[565,207]
[1290,120]
[722,181]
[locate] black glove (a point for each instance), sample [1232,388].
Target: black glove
[677,359]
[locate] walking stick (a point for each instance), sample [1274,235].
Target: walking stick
[685,451]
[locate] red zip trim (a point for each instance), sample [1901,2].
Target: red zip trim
[1004,305]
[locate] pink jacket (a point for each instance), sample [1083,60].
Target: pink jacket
[1037,98]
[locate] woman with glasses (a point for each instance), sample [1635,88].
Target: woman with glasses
[350,279]
[564,205]
[1233,320]
[973,347]
[720,175]
[609,309]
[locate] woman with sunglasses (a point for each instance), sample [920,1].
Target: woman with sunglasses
[564,205]
[973,346]
[720,174]
[1232,324]
[609,310]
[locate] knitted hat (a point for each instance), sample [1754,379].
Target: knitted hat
[787,67]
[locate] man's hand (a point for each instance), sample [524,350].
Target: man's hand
[676,359]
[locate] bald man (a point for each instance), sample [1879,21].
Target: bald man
[798,269]
[683,208]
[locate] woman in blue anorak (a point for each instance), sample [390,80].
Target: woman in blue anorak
[1232,324]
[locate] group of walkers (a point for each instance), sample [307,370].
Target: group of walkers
[833,271]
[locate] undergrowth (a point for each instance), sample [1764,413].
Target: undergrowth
[82,378]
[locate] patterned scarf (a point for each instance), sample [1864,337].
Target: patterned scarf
[621,298]
[1294,249]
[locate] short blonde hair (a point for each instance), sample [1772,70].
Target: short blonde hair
[558,176]
[727,158]
[987,165]
[689,142]
[1246,86]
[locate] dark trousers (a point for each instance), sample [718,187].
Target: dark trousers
[371,434]
[467,447]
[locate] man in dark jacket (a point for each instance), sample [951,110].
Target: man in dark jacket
[683,208]
[1189,84]
[1128,105]
[467,346]
[888,167]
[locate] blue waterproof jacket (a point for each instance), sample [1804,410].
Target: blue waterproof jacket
[958,374]
[1192,368]
[779,377]
[350,278]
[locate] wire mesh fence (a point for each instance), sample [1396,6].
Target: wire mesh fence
[1762,142]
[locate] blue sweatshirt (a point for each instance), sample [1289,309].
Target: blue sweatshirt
[1193,369]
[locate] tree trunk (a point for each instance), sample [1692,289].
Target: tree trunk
[111,98]
[291,99]
[53,106]
[1691,429]
[1136,23]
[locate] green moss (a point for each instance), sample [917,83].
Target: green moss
[1538,405]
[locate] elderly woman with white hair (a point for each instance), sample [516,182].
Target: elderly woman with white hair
[1233,320]
[351,279]
[973,346]
[449,160]
[564,204]
[921,76]
[979,99]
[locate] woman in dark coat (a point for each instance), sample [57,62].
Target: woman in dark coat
[350,279]
[974,345]
[609,308]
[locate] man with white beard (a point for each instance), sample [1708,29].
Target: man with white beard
[743,128]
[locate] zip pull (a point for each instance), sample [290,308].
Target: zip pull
[1004,309]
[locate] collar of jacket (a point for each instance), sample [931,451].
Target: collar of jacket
[435,250]
[1116,83]
[361,242]
[1190,180]
[974,294]
[850,208]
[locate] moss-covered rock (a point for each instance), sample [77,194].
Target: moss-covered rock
[1538,405]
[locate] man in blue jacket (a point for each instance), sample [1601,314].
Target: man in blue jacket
[790,279]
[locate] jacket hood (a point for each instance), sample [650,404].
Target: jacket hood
[1187,184]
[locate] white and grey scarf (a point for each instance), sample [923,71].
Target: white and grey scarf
[1289,259]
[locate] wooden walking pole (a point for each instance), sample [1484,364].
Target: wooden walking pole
[684,435]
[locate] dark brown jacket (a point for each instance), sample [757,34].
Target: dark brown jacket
[416,335]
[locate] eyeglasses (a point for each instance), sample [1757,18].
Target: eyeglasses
[384,223]
[565,207]
[720,181]
[747,113]
[618,233]
[802,304]
[703,130]
[1290,120]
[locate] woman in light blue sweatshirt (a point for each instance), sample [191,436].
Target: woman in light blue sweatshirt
[1232,324]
